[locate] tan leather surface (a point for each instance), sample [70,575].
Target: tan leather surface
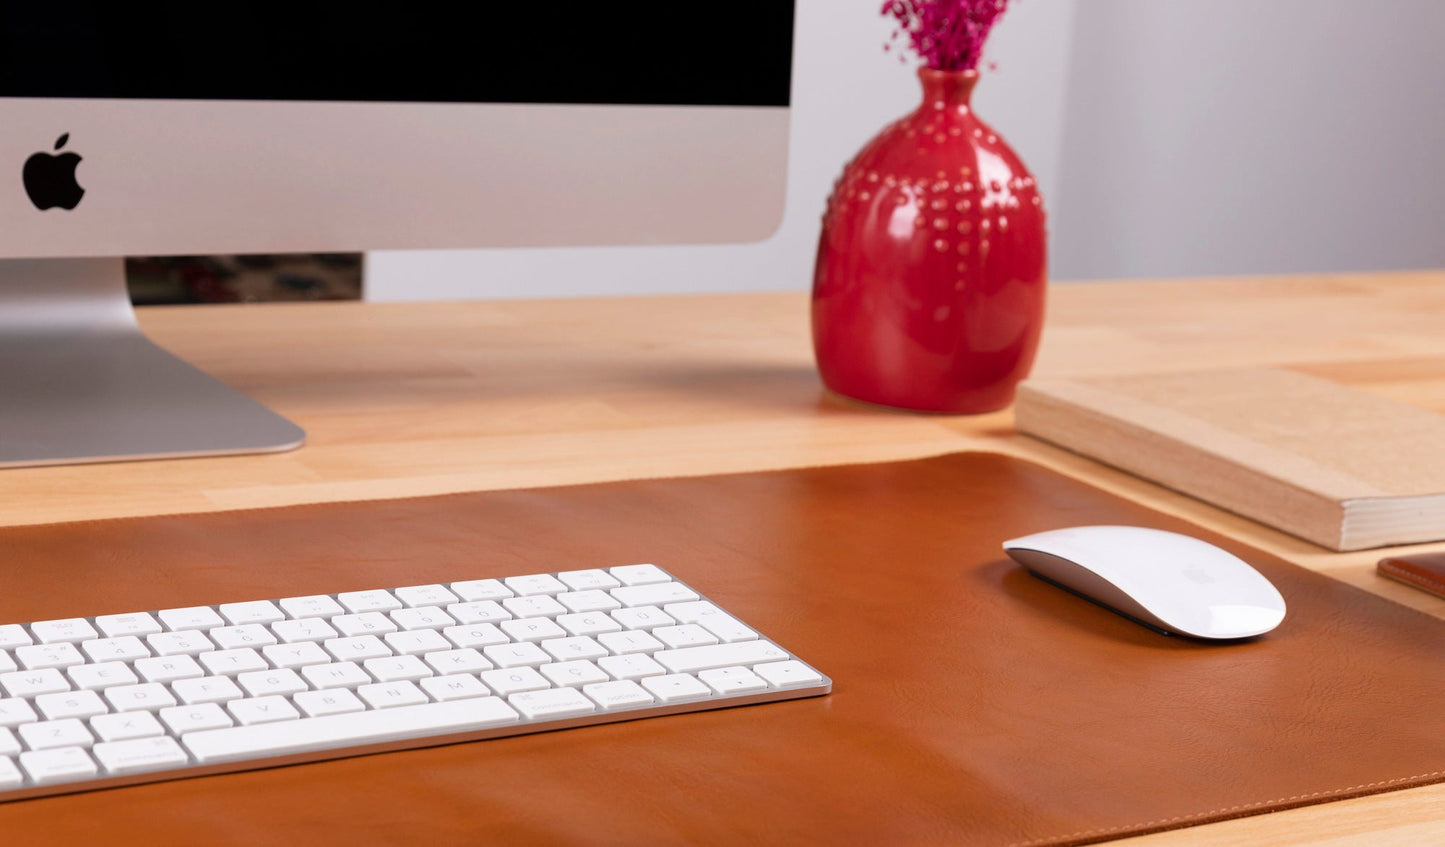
[972,704]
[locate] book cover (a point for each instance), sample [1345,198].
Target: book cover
[1341,467]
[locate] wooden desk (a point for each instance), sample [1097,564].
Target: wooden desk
[416,399]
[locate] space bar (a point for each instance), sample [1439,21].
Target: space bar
[331,731]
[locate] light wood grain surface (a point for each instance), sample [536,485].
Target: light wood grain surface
[403,400]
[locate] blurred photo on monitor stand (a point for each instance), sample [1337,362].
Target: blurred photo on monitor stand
[173,280]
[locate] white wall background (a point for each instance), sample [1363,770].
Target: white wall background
[1252,136]
[1170,137]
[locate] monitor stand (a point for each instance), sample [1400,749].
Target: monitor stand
[80,382]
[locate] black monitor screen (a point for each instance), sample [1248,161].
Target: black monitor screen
[727,54]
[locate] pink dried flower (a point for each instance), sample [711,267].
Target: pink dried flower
[947,35]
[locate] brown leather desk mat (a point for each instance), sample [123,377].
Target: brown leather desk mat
[972,704]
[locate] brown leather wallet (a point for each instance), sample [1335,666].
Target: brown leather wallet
[1425,571]
[972,703]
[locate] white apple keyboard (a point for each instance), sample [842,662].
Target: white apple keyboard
[117,699]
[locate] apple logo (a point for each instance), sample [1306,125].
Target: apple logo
[50,179]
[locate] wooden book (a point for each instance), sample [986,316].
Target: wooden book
[1340,467]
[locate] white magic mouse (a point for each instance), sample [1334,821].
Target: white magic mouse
[1163,579]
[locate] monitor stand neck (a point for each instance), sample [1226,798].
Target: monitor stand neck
[80,382]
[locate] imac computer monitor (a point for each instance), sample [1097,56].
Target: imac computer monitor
[176,129]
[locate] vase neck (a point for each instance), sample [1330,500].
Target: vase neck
[947,89]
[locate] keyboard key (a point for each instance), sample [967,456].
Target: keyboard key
[573,674]
[57,655]
[589,623]
[457,661]
[425,618]
[260,710]
[244,635]
[67,631]
[674,688]
[278,681]
[168,668]
[422,641]
[630,667]
[621,643]
[14,635]
[653,595]
[304,629]
[588,579]
[476,635]
[232,662]
[416,643]
[481,589]
[49,735]
[139,623]
[425,595]
[538,583]
[210,689]
[103,675]
[692,611]
[389,695]
[71,704]
[183,719]
[396,668]
[331,702]
[119,726]
[620,694]
[145,696]
[728,628]
[139,755]
[296,655]
[643,617]
[639,574]
[360,602]
[15,711]
[732,680]
[126,648]
[574,647]
[693,659]
[254,611]
[531,629]
[516,655]
[787,674]
[719,623]
[368,727]
[552,703]
[514,680]
[191,617]
[63,765]
[357,649]
[538,606]
[588,601]
[684,635]
[186,642]
[336,675]
[7,663]
[33,683]
[453,687]
[365,623]
[482,611]
[310,606]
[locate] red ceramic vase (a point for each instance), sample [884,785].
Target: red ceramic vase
[928,292]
